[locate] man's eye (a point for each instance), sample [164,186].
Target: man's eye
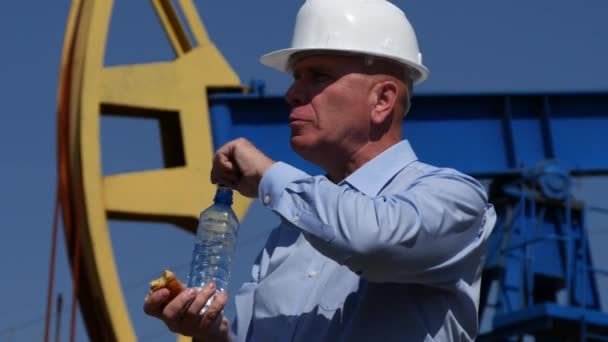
[319,77]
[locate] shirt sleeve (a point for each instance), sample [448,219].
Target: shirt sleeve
[418,235]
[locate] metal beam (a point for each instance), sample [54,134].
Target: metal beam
[489,135]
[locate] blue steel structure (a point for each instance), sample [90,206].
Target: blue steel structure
[539,278]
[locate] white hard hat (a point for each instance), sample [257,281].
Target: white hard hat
[368,27]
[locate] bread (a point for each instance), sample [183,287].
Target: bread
[169,281]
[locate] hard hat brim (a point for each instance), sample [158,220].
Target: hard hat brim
[279,60]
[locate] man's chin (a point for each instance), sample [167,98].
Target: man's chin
[296,143]
[302,146]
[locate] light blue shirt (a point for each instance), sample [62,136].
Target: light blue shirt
[392,253]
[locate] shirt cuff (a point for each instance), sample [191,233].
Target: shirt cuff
[275,180]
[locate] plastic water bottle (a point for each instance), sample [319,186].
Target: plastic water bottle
[215,243]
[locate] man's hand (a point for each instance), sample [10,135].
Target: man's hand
[183,314]
[240,165]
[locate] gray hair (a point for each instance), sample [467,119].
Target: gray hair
[407,77]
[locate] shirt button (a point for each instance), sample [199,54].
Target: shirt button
[312,274]
[296,218]
[266,199]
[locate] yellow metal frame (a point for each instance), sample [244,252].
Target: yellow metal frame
[173,91]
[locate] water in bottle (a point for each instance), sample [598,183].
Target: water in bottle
[215,242]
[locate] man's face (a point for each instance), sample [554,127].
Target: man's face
[330,107]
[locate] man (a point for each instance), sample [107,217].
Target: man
[382,247]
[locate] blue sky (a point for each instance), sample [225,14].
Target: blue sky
[471,47]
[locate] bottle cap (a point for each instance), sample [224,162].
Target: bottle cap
[223,195]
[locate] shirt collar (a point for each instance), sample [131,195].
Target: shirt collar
[371,178]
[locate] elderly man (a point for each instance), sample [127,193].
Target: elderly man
[383,246]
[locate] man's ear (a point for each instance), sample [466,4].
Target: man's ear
[385,100]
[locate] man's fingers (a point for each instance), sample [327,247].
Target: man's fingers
[172,313]
[240,165]
[216,325]
[224,161]
[224,171]
[212,317]
[201,300]
[185,317]
[153,305]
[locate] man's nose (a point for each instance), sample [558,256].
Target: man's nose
[295,95]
